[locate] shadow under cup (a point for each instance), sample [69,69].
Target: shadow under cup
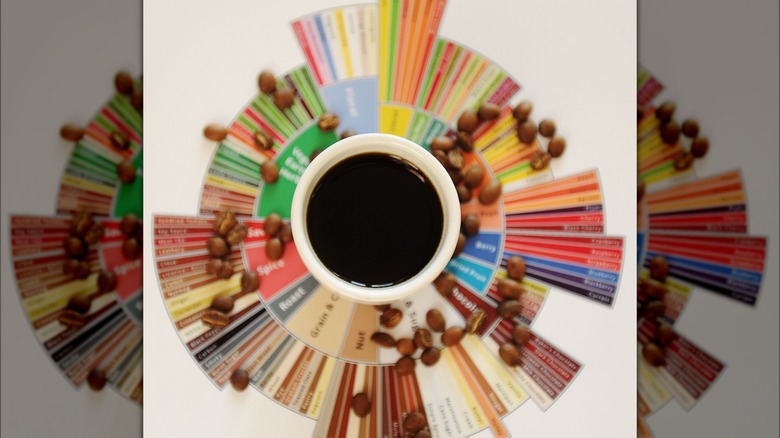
[375,218]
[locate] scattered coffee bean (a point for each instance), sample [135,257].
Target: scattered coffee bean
[455,175]
[266,81]
[215,132]
[470,224]
[390,317]
[422,434]
[269,171]
[217,247]
[654,289]
[474,176]
[547,128]
[119,140]
[94,234]
[670,132]
[96,379]
[521,335]
[70,266]
[404,366]
[510,354]
[81,222]
[540,160]
[406,346]
[430,356]
[640,190]
[465,141]
[224,221]
[214,266]
[131,249]
[284,98]
[215,318]
[274,248]
[250,282]
[441,157]
[665,335]
[515,268]
[328,122]
[383,340]
[80,303]
[445,283]
[653,355]
[452,335]
[526,131]
[455,159]
[414,422]
[71,132]
[315,153]
[654,310]
[699,147]
[690,128]
[75,247]
[347,133]
[123,82]
[239,379]
[263,140]
[659,268]
[71,318]
[509,289]
[225,271]
[129,223]
[285,233]
[508,309]
[442,143]
[488,111]
[423,338]
[126,171]
[665,112]
[137,100]
[464,194]
[381,307]
[460,245]
[361,405]
[491,192]
[435,320]
[236,234]
[522,111]
[683,160]
[468,121]
[83,270]
[557,146]
[223,303]
[475,321]
[106,281]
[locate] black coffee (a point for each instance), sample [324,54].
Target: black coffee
[374,220]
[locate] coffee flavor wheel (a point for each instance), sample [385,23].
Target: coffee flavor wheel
[79,279]
[692,235]
[251,314]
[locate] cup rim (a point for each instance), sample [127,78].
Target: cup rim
[404,149]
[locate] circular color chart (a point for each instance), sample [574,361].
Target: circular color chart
[250,313]
[79,273]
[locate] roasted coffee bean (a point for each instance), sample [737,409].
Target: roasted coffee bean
[522,111]
[654,310]
[250,281]
[442,143]
[106,281]
[509,289]
[269,171]
[521,335]
[670,132]
[70,266]
[654,289]
[475,321]
[435,320]
[508,309]
[683,160]
[347,133]
[452,335]
[137,100]
[515,268]
[464,194]
[383,340]
[665,335]
[390,317]
[474,176]
[225,271]
[123,82]
[360,404]
[510,354]
[285,233]
[406,346]
[557,146]
[422,434]
[547,128]
[217,247]
[239,379]
[470,224]
[82,271]
[381,307]
[490,192]
[96,379]
[700,146]
[690,128]
[214,266]
[445,283]
[71,318]
[488,111]
[404,366]
[94,234]
[465,141]
[284,98]
[460,245]
[665,112]
[119,140]
[129,223]
[82,221]
[236,234]
[659,268]
[468,121]
[430,356]
[423,338]
[441,157]
[654,355]
[455,175]
[274,248]
[131,248]
[126,171]
[263,140]
[315,153]
[223,303]
[71,132]
[540,160]
[215,132]
[455,159]
[215,318]
[224,221]
[328,122]
[266,81]
[526,131]
[80,303]
[75,247]
[640,190]
[414,422]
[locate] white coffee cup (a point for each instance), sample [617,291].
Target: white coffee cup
[396,147]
